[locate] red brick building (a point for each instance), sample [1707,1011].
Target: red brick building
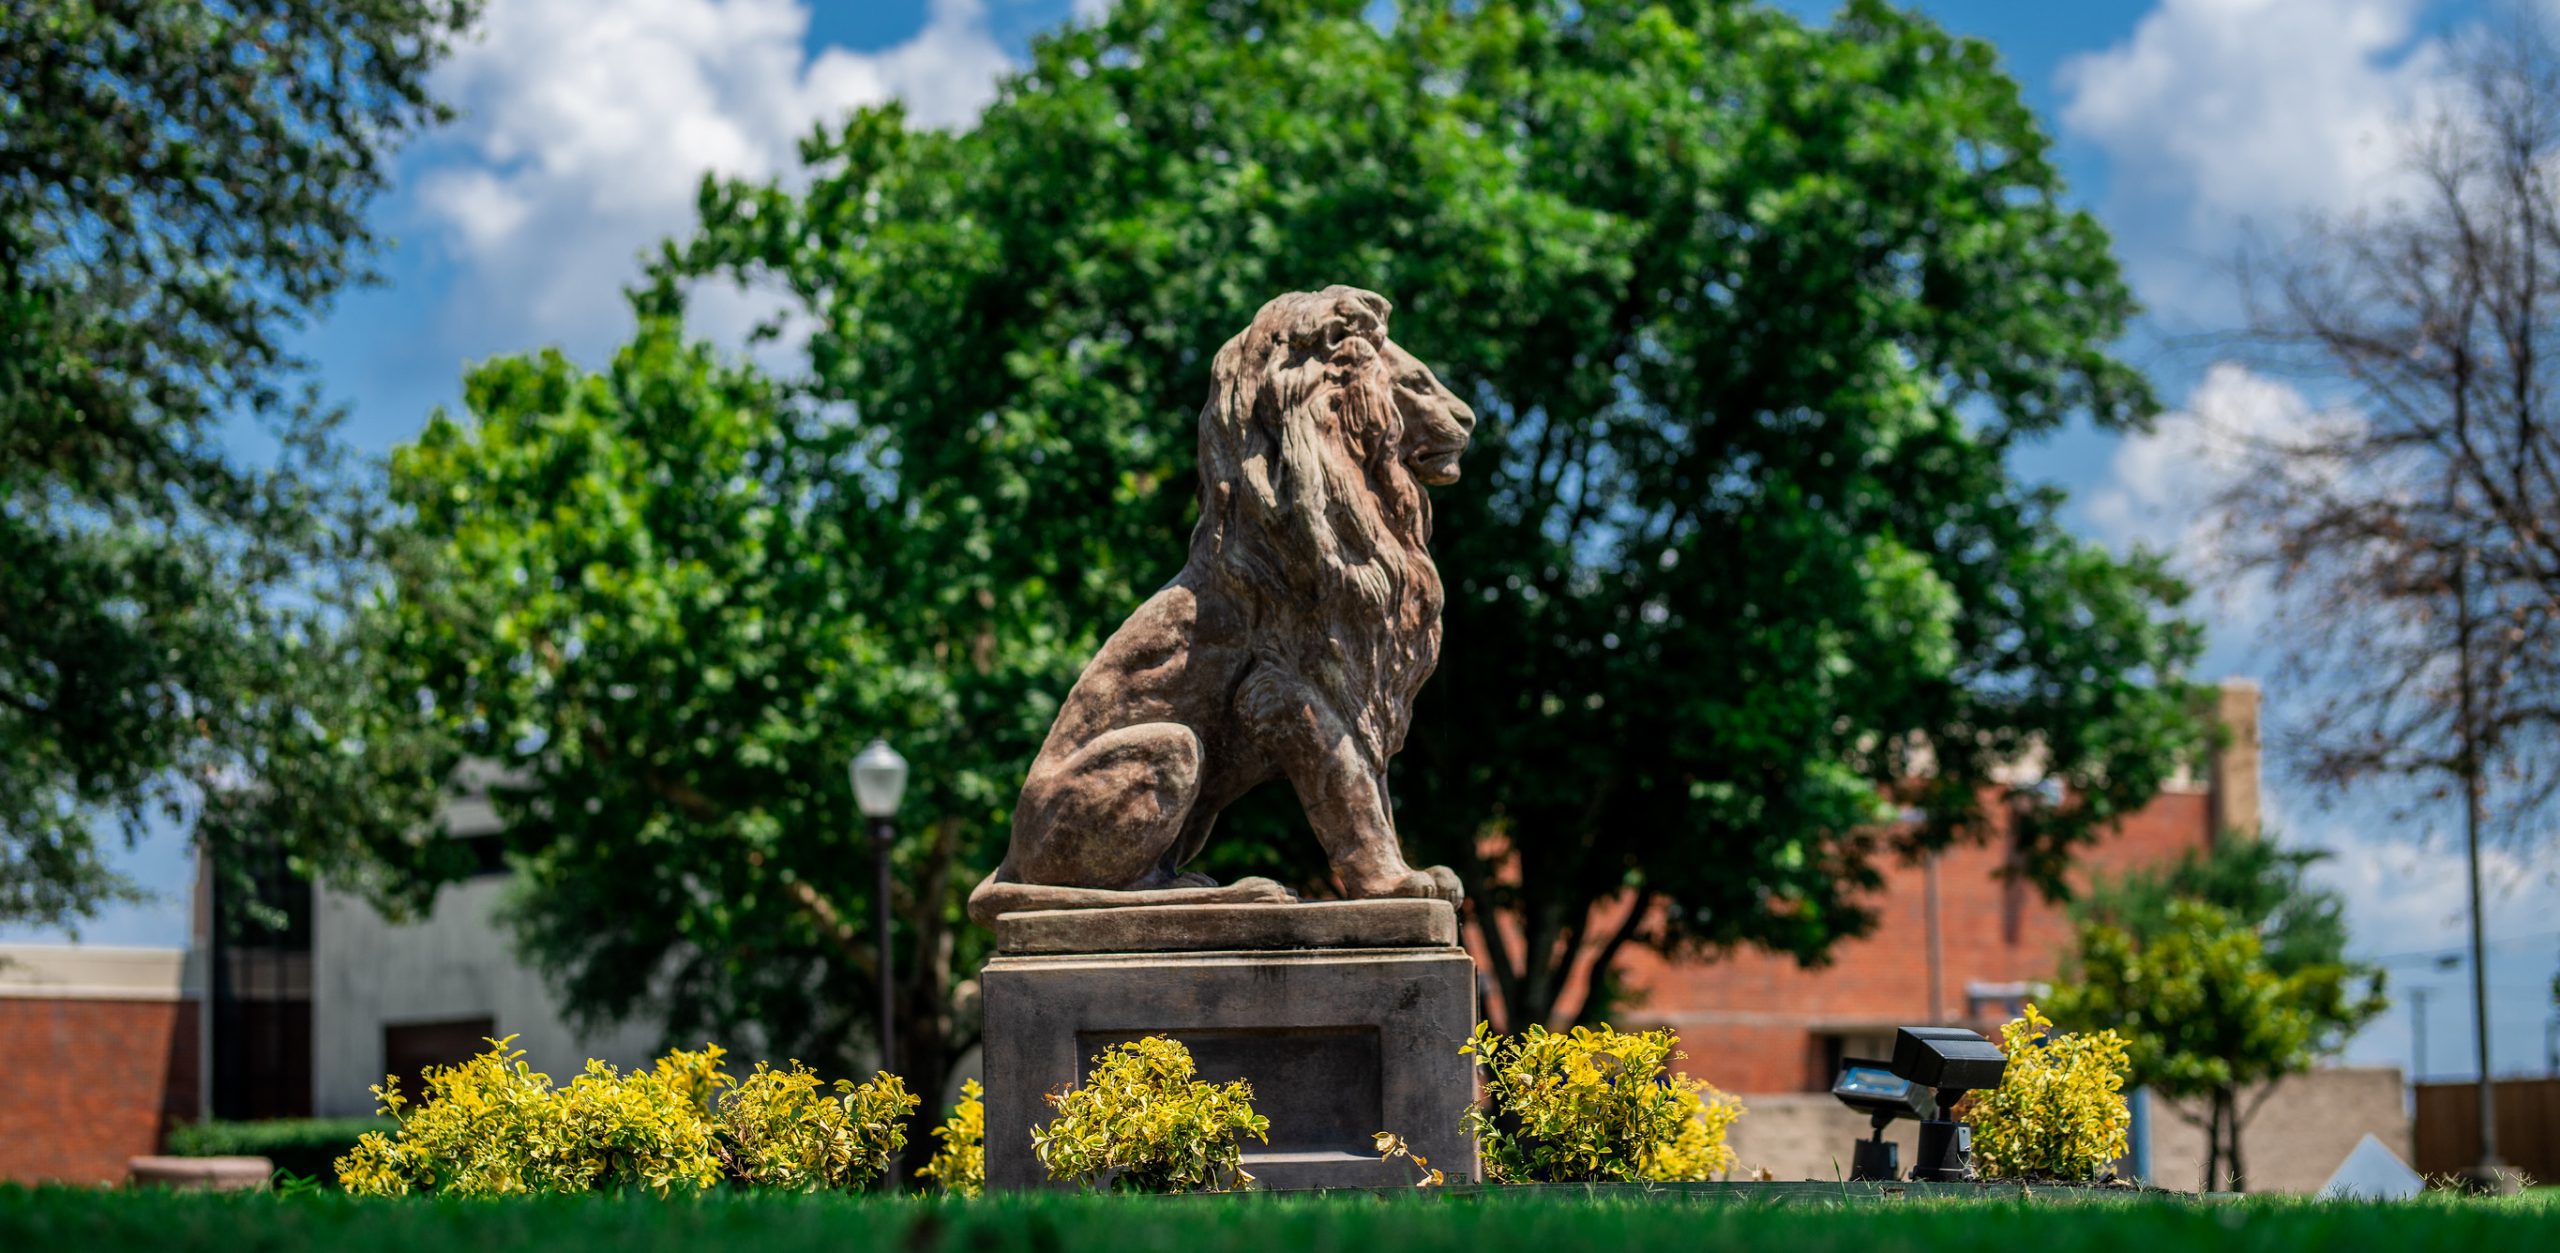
[1954,944]
[99,1046]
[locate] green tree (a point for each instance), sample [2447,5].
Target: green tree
[2224,972]
[650,593]
[2255,879]
[181,184]
[1752,313]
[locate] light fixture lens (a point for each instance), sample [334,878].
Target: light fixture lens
[879,779]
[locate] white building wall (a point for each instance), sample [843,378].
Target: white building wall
[455,963]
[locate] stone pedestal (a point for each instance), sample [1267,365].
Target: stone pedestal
[1345,1016]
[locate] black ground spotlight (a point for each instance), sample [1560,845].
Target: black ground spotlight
[1950,1061]
[1872,1088]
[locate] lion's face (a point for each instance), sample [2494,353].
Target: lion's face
[1437,425]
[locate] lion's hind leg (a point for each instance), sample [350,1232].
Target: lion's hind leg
[1106,816]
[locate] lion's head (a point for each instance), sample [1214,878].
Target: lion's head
[1315,445]
[1323,430]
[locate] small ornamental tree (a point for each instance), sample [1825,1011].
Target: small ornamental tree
[2059,1112]
[1595,1105]
[1143,1123]
[2206,1014]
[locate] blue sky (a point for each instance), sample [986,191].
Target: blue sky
[2182,123]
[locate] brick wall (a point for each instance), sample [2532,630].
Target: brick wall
[1756,1023]
[98,1055]
[1753,1022]
[91,1083]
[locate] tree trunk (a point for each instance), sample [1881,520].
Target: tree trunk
[2216,1134]
[1537,991]
[2237,1178]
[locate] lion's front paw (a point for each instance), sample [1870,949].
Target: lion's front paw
[1259,890]
[1436,883]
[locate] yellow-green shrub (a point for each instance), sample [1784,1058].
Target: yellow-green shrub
[493,1126]
[960,1163]
[1698,1152]
[1595,1105]
[782,1130]
[1142,1123]
[2059,1112]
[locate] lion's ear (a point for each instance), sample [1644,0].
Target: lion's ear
[1352,326]
[1375,305]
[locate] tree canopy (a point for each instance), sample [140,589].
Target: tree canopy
[1752,313]
[644,598]
[181,184]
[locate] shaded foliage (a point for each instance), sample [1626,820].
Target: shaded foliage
[181,185]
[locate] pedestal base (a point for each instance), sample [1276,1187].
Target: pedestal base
[1338,1043]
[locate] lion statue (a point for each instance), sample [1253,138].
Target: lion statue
[1290,645]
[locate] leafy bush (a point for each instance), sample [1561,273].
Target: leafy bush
[303,1146]
[1697,1153]
[2059,1112]
[1595,1105]
[1142,1123]
[494,1126]
[781,1130]
[960,1164]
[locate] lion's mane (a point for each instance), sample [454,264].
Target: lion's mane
[1311,521]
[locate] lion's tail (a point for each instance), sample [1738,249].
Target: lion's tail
[993,897]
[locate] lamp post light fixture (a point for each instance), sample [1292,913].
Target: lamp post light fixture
[1932,1068]
[879,779]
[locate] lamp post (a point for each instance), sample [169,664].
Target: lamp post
[879,779]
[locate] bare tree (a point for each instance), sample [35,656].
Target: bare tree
[2413,532]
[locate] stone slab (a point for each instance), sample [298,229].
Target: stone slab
[205,1174]
[1230,928]
[1338,1045]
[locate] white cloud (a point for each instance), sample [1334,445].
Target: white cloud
[1091,10]
[586,126]
[2161,487]
[2256,106]
[2406,895]
[2219,112]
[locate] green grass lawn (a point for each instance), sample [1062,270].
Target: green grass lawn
[50,1220]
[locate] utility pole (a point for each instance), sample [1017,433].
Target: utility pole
[2490,1175]
[1937,955]
[2418,1035]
